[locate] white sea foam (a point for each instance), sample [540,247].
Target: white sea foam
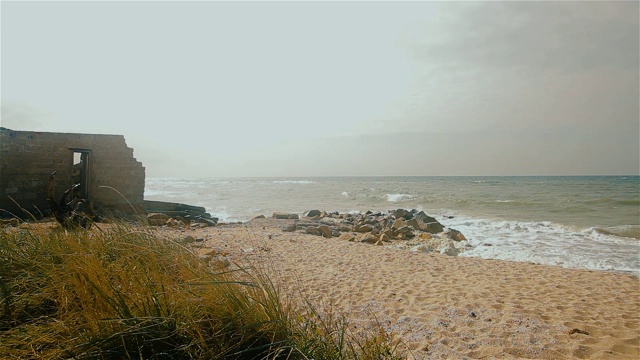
[547,243]
[398,197]
[221,214]
[293,182]
[605,215]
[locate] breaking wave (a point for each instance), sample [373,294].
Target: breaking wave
[398,197]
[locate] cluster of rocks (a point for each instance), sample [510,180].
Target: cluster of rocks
[413,227]
[161,219]
[161,213]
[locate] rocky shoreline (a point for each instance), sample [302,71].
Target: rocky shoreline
[400,228]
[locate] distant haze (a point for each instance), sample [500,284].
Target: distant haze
[334,88]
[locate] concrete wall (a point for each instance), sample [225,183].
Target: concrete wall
[28,158]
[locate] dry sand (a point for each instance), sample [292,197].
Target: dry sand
[446,307]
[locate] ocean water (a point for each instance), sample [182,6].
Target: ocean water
[588,222]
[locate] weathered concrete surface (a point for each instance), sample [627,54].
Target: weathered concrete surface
[27,158]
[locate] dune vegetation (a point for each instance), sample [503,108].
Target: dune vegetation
[123,292]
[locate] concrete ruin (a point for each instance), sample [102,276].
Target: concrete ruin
[99,163]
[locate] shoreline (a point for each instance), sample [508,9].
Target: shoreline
[440,306]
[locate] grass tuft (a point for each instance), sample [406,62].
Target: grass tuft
[124,293]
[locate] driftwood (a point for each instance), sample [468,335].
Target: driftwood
[73,213]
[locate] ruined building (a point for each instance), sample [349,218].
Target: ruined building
[99,163]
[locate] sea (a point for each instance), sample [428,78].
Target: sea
[586,222]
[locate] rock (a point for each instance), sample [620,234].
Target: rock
[207,222]
[157,219]
[383,237]
[398,224]
[347,237]
[284,215]
[425,236]
[424,248]
[424,217]
[364,228]
[325,231]
[401,213]
[405,232]
[187,240]
[456,235]
[369,240]
[173,223]
[259,217]
[289,228]
[312,213]
[449,249]
[313,230]
[434,227]
[417,224]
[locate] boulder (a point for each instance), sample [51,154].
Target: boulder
[313,230]
[325,231]
[424,217]
[449,249]
[284,215]
[313,213]
[398,224]
[434,227]
[364,228]
[401,213]
[456,235]
[405,232]
[289,228]
[171,222]
[417,224]
[347,237]
[369,240]
[258,217]
[157,219]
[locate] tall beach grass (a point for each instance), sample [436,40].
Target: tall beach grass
[122,292]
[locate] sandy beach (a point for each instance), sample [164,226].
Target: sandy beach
[442,306]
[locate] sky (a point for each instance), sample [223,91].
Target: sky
[334,88]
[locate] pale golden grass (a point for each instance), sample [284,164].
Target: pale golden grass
[120,292]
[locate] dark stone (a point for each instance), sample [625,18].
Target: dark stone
[289,228]
[312,213]
[364,228]
[313,230]
[456,235]
[425,218]
[434,228]
[325,231]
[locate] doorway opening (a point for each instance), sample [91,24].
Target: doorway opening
[80,173]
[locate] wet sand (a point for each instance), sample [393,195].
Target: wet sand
[440,306]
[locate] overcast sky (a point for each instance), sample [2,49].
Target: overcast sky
[334,88]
